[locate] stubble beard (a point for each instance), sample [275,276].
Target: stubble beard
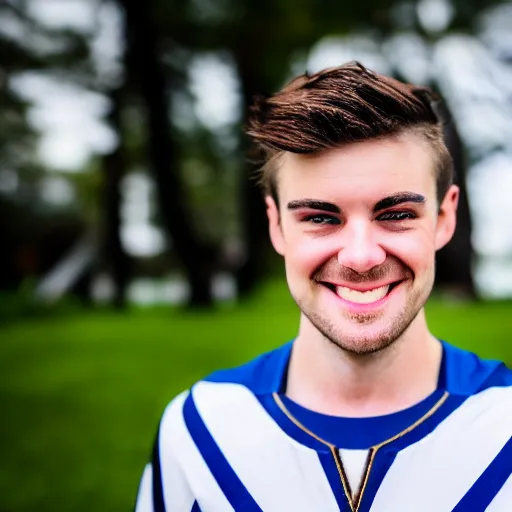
[367,343]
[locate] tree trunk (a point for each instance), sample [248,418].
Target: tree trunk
[114,168]
[454,262]
[145,69]
[253,215]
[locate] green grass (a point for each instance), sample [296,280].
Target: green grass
[81,395]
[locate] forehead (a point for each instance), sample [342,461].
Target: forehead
[362,171]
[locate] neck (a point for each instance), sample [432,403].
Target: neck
[325,378]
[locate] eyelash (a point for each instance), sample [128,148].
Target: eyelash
[396,216]
[323,219]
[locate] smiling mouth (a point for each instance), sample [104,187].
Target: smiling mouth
[359,297]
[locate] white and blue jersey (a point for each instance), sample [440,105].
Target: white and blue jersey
[235,442]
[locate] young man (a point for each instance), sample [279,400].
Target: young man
[365,410]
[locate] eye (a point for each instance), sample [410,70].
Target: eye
[396,216]
[321,219]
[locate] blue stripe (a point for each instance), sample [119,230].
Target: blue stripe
[232,487]
[269,404]
[158,493]
[333,477]
[382,462]
[196,507]
[489,483]
[360,433]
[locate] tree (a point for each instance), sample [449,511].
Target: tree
[26,47]
[145,69]
[114,168]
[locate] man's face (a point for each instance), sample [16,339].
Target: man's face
[358,227]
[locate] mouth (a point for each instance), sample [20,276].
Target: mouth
[362,297]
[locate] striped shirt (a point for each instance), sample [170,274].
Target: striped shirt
[233,442]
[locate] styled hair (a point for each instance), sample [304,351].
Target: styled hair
[343,105]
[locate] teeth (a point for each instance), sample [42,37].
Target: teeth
[362,297]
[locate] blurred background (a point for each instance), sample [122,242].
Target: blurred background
[134,255]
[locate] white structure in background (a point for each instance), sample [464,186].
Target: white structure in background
[67,272]
[139,235]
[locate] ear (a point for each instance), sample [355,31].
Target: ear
[274,225]
[447,217]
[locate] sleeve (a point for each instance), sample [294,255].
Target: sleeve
[163,487]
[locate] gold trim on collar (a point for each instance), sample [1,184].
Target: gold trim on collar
[354,500]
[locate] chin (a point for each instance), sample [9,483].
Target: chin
[364,343]
[363,334]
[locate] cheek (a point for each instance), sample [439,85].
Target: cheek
[305,255]
[416,249]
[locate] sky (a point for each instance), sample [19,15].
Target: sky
[477,87]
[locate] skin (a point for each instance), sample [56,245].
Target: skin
[361,216]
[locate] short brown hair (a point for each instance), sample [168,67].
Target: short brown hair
[342,105]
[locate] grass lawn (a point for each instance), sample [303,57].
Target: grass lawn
[82,394]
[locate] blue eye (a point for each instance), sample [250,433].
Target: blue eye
[321,219]
[396,216]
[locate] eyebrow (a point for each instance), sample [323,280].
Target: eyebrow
[313,204]
[395,199]
[386,202]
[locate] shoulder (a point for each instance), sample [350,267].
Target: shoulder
[465,373]
[264,374]
[225,392]
[480,389]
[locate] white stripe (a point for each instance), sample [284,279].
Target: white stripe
[185,475]
[436,472]
[279,473]
[503,500]
[354,463]
[145,496]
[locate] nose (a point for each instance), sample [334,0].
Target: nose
[359,250]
